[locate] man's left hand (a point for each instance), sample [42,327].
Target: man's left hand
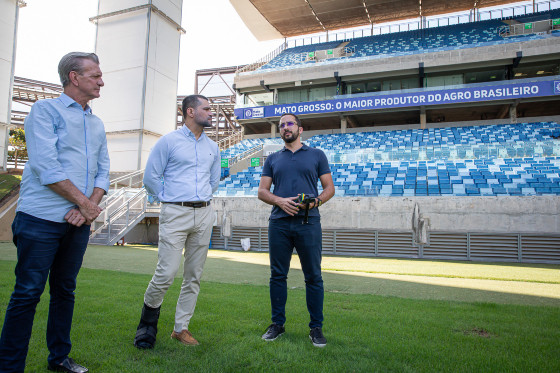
[74,217]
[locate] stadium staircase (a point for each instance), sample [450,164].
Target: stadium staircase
[124,206]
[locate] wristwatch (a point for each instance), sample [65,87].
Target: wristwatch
[319,203]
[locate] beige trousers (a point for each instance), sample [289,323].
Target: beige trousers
[180,227]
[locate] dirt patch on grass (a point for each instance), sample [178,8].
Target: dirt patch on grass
[477,332]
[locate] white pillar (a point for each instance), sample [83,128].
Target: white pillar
[138,47]
[9,10]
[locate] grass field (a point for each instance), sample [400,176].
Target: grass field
[380,315]
[7,182]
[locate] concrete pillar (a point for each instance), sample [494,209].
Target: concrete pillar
[422,117]
[9,11]
[272,130]
[343,124]
[138,46]
[513,112]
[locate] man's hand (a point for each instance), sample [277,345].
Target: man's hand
[90,211]
[74,217]
[289,205]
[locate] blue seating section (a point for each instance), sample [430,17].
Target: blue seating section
[510,176]
[491,176]
[245,145]
[460,36]
[292,56]
[517,177]
[414,138]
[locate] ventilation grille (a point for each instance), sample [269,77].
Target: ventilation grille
[398,244]
[494,247]
[441,245]
[328,241]
[447,246]
[355,242]
[540,249]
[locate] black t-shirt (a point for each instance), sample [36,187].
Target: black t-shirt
[295,173]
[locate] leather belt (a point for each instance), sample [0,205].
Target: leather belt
[195,205]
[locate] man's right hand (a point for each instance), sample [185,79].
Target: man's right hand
[90,211]
[289,205]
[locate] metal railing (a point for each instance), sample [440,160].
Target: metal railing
[263,61]
[229,141]
[245,154]
[526,28]
[548,148]
[137,176]
[124,216]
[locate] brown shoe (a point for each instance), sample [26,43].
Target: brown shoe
[185,337]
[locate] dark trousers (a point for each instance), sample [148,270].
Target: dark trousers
[283,235]
[44,249]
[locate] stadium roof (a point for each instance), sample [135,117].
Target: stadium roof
[274,19]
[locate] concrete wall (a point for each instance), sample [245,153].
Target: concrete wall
[496,55]
[139,55]
[8,29]
[505,214]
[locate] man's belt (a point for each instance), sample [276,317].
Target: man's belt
[195,205]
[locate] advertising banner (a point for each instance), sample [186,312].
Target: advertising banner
[417,98]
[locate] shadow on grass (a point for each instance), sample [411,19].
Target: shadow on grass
[224,269]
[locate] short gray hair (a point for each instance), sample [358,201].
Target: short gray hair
[73,62]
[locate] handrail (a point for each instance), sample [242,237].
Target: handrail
[105,203]
[124,209]
[452,152]
[125,177]
[245,154]
[231,140]
[118,211]
[263,61]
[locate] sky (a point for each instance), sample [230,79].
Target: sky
[48,29]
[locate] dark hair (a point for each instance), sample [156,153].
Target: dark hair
[192,101]
[298,122]
[73,62]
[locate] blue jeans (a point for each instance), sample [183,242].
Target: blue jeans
[44,249]
[283,235]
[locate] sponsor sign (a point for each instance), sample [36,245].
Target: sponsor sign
[557,87]
[255,112]
[417,98]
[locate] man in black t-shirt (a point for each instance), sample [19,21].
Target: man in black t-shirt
[294,171]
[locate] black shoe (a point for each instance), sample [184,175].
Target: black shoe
[317,337]
[67,365]
[272,332]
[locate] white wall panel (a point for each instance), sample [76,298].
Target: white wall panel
[109,6]
[121,41]
[121,99]
[8,22]
[170,7]
[123,150]
[5,93]
[140,76]
[160,111]
[163,53]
